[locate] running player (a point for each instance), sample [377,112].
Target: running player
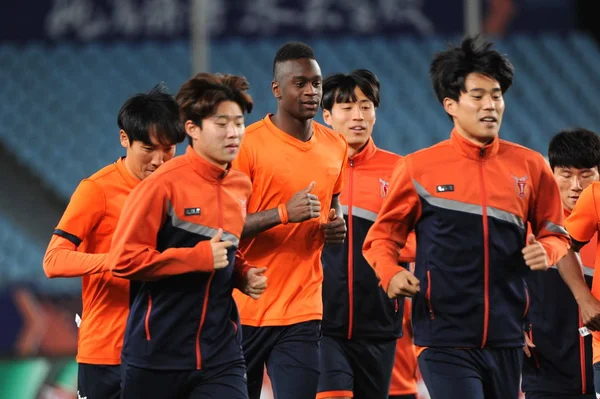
[562,368]
[177,239]
[469,199]
[295,165]
[149,130]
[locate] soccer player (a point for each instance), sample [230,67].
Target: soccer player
[469,198]
[295,165]
[149,130]
[177,238]
[361,323]
[559,365]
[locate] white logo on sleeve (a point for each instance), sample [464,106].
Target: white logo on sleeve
[80,397]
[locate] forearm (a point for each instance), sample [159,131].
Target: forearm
[569,268]
[261,221]
[63,260]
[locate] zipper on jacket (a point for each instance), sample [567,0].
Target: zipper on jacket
[486,253]
[207,292]
[350,254]
[527,303]
[428,297]
[147,319]
[532,350]
[582,357]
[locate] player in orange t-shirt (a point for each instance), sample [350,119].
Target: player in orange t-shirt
[149,130]
[295,165]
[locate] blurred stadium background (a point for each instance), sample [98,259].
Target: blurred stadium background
[66,66]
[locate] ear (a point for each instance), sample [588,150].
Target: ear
[192,129]
[327,117]
[123,139]
[276,89]
[450,106]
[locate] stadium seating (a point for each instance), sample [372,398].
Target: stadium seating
[60,103]
[21,261]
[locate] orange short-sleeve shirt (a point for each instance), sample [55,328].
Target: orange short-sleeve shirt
[279,165]
[582,225]
[89,222]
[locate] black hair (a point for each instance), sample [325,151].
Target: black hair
[574,148]
[292,51]
[339,88]
[155,114]
[449,69]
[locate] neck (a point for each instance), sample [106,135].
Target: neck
[300,129]
[212,161]
[129,168]
[480,141]
[354,149]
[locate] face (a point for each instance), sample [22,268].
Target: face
[354,120]
[478,112]
[143,159]
[219,138]
[298,87]
[572,181]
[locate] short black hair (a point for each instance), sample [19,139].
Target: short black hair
[155,114]
[449,69]
[574,148]
[339,88]
[292,51]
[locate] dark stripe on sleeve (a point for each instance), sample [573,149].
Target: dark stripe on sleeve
[577,245]
[74,239]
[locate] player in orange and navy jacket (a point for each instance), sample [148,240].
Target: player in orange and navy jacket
[560,368]
[177,238]
[361,323]
[469,199]
[149,130]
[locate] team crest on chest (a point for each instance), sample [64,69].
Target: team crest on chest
[383,189]
[520,185]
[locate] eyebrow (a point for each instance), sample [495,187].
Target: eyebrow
[302,77]
[228,116]
[480,90]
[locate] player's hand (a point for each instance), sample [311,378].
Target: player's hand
[335,228]
[590,312]
[528,344]
[219,250]
[403,283]
[535,254]
[256,282]
[304,205]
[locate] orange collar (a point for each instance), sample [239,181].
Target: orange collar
[472,150]
[365,154]
[131,180]
[203,167]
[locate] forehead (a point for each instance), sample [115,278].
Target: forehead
[228,109]
[303,67]
[574,170]
[342,96]
[479,81]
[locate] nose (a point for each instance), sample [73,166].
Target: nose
[158,158]
[357,114]
[311,90]
[576,184]
[489,103]
[232,131]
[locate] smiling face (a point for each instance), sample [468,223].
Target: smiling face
[355,120]
[142,159]
[478,112]
[298,87]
